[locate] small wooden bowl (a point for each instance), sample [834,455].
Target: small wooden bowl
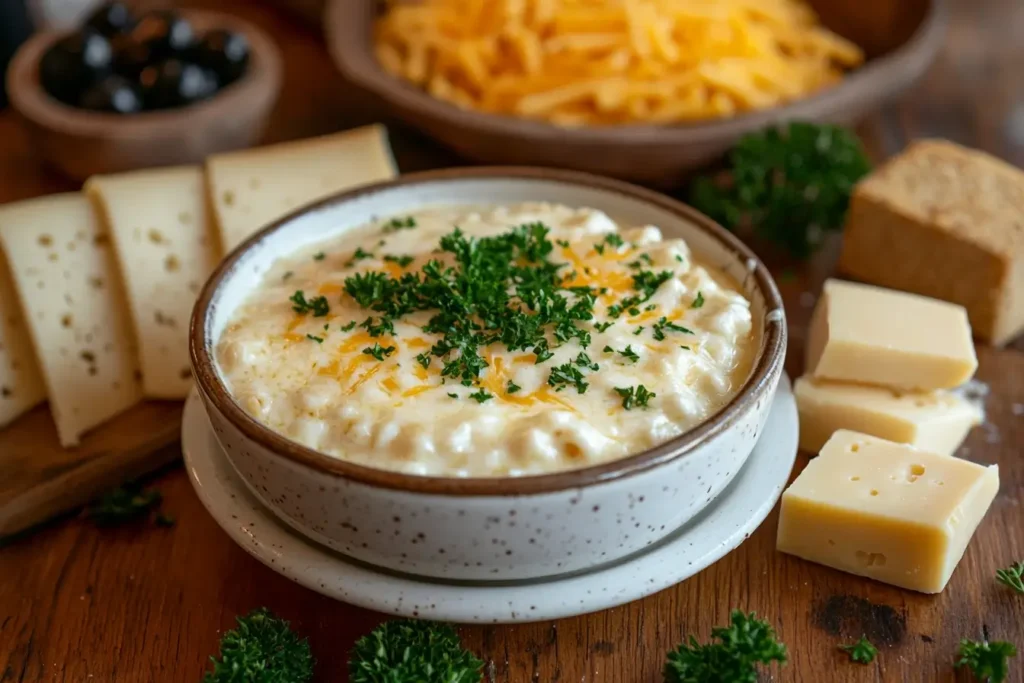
[83,143]
[900,38]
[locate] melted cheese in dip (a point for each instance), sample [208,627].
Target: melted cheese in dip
[320,378]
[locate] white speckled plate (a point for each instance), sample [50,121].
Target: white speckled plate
[721,527]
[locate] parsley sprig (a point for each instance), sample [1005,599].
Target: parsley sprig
[987,660]
[261,648]
[746,642]
[1012,576]
[862,651]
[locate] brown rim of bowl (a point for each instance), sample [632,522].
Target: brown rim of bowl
[349,44]
[771,357]
[31,101]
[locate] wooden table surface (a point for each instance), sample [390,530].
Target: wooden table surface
[149,604]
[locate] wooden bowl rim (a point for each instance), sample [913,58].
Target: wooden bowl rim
[346,40]
[758,384]
[30,100]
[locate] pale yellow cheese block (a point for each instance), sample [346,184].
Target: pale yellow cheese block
[935,421]
[886,511]
[21,382]
[869,335]
[166,248]
[252,188]
[68,284]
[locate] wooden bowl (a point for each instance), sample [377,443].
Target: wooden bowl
[82,143]
[899,37]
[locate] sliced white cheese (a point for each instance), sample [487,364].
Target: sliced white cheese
[250,189]
[166,249]
[67,280]
[21,383]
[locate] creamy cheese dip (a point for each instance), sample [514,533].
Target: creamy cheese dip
[670,342]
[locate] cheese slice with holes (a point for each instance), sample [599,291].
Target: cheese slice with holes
[66,277]
[21,382]
[935,421]
[885,510]
[166,248]
[249,189]
[871,335]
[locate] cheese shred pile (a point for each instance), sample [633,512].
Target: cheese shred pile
[607,62]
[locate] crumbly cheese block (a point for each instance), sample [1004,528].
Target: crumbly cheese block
[252,188]
[946,222]
[21,383]
[871,335]
[166,248]
[935,421]
[67,281]
[885,510]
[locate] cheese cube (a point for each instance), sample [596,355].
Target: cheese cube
[934,421]
[885,511]
[947,222]
[252,188]
[166,248]
[871,335]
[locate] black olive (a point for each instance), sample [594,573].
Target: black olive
[130,56]
[165,34]
[73,64]
[111,19]
[114,94]
[173,83]
[225,52]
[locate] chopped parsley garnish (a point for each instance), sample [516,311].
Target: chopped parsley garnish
[379,352]
[679,258]
[634,311]
[318,305]
[319,256]
[385,326]
[599,248]
[601,327]
[424,360]
[318,340]
[359,255]
[650,307]
[634,396]
[699,301]
[562,243]
[287,276]
[481,396]
[638,330]
[567,375]
[402,261]
[1012,576]
[452,395]
[684,347]
[613,239]
[512,387]
[542,354]
[862,651]
[627,353]
[665,324]
[646,282]
[396,224]
[349,326]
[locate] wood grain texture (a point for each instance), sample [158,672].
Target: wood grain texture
[148,604]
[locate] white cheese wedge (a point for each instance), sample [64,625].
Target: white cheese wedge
[871,335]
[21,382]
[67,280]
[885,510]
[935,421]
[166,248]
[252,188]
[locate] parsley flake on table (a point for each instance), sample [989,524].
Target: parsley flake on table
[988,661]
[637,396]
[396,224]
[318,305]
[123,504]
[379,352]
[746,642]
[862,651]
[1012,576]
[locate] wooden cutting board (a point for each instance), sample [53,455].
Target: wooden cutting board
[39,479]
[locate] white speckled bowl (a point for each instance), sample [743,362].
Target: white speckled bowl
[490,529]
